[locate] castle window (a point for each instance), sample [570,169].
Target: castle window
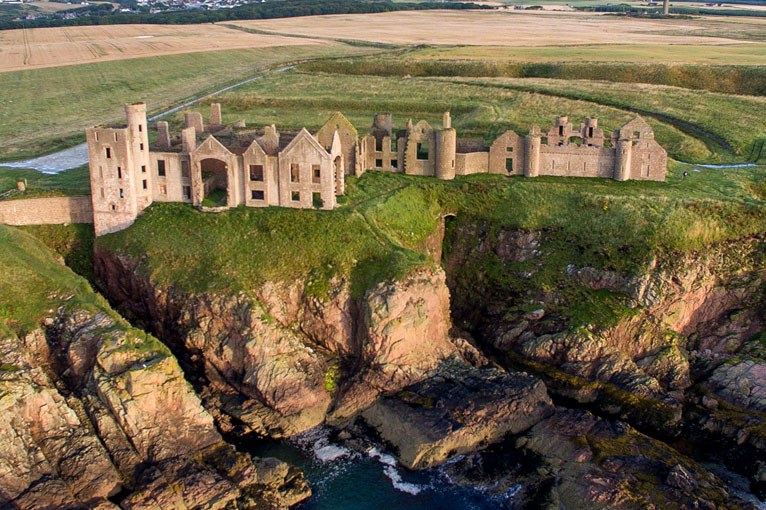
[116,137]
[393,144]
[423,151]
[379,144]
[256,194]
[114,207]
[140,146]
[295,173]
[590,132]
[95,135]
[122,195]
[295,196]
[108,153]
[119,172]
[378,163]
[143,169]
[561,130]
[163,189]
[185,172]
[509,164]
[509,149]
[140,128]
[648,169]
[316,174]
[316,200]
[187,192]
[394,164]
[161,167]
[256,173]
[144,184]
[101,172]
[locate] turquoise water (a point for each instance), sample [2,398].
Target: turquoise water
[353,480]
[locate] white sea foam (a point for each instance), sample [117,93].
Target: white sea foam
[384,458]
[330,452]
[396,481]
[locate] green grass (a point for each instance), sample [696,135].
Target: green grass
[43,110]
[380,231]
[70,182]
[216,198]
[73,242]
[296,99]
[723,54]
[738,120]
[729,79]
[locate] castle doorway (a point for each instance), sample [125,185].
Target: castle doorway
[215,182]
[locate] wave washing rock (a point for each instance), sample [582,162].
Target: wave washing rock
[458,409]
[93,410]
[576,460]
[281,361]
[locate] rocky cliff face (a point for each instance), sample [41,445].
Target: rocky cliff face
[280,361]
[96,415]
[670,348]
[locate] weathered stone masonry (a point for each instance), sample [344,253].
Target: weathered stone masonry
[227,166]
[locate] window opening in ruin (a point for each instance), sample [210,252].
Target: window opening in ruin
[453,163]
[95,135]
[122,195]
[316,174]
[140,128]
[145,184]
[393,144]
[140,146]
[256,173]
[215,182]
[509,164]
[295,196]
[509,149]
[423,151]
[295,173]
[119,172]
[116,138]
[187,192]
[378,163]
[647,170]
[163,189]
[185,171]
[379,144]
[161,167]
[316,200]
[561,130]
[114,208]
[394,164]
[256,194]
[101,172]
[143,169]
[108,153]
[544,140]
[590,132]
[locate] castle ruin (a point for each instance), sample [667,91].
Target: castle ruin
[215,166]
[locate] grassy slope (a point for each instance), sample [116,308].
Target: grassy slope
[739,120]
[42,110]
[294,99]
[380,232]
[70,182]
[34,285]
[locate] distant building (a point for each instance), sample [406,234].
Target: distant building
[260,168]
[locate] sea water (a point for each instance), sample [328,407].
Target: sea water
[343,479]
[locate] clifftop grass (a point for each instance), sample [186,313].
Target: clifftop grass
[382,228]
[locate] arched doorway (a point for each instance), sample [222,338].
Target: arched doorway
[215,182]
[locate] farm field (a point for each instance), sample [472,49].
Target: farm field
[296,99]
[51,47]
[500,28]
[42,110]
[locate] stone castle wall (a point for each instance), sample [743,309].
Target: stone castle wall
[47,211]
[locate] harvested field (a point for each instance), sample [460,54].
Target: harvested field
[498,28]
[49,47]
